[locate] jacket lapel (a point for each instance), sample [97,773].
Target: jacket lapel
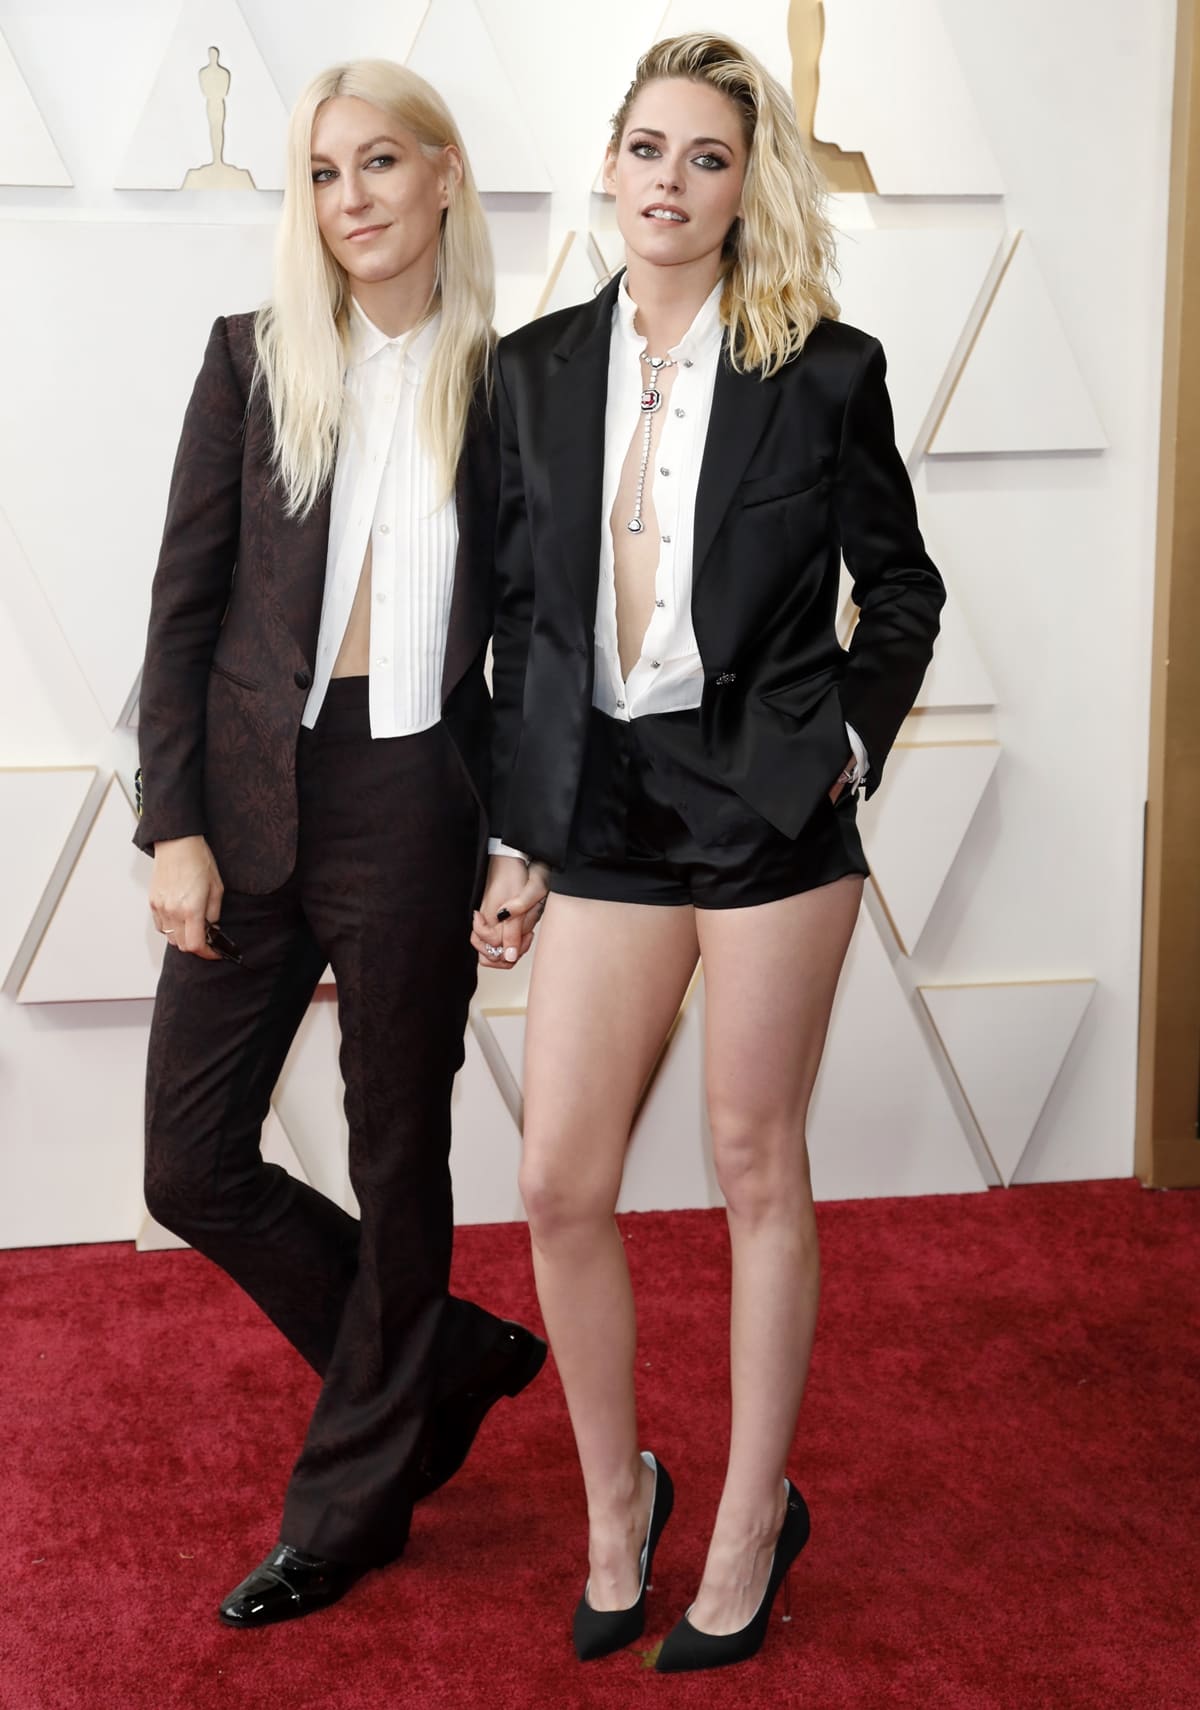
[474,499]
[742,407]
[576,398]
[302,546]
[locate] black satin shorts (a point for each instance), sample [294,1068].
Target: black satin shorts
[653,826]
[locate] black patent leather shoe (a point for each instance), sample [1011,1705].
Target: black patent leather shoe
[686,1647]
[515,1360]
[599,1632]
[287,1585]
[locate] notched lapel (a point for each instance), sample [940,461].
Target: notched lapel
[576,399]
[302,547]
[742,408]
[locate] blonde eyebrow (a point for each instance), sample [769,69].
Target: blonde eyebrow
[363,148]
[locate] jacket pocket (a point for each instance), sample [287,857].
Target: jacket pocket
[233,676]
[787,484]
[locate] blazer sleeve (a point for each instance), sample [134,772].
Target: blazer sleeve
[514,607]
[188,600]
[897,588]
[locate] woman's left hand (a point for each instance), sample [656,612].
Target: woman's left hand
[513,902]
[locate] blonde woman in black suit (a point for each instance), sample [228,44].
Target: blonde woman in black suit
[680,740]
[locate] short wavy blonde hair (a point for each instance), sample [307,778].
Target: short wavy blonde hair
[780,252]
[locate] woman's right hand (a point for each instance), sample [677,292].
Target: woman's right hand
[186,893]
[519,896]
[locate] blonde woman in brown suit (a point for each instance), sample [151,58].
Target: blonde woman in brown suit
[314,732]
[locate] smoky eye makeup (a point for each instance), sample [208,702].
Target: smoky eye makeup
[709,159]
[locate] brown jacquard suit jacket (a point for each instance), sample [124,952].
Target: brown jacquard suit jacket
[234,616]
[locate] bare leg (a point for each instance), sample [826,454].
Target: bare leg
[607,984]
[770,977]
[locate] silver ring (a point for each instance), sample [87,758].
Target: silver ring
[491,950]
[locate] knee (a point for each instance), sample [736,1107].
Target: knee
[559,1201]
[761,1167]
[194,1188]
[173,1194]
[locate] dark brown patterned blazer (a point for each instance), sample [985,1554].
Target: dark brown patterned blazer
[234,615]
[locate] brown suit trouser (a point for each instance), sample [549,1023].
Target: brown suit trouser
[388,864]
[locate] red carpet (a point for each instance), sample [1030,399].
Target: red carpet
[999,1447]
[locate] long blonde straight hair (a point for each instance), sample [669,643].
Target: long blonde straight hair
[779,254]
[302,335]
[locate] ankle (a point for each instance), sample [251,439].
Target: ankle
[620,1498]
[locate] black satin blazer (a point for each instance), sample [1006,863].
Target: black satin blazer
[798,471]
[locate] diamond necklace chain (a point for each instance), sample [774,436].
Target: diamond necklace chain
[650,401]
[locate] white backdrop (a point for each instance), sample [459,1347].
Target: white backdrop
[1012,264]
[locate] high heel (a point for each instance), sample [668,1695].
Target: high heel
[686,1647]
[601,1631]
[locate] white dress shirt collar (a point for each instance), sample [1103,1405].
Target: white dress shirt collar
[704,334]
[367,340]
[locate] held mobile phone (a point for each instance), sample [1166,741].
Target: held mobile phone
[218,941]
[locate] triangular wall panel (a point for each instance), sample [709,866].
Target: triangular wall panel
[172,138]
[1020,389]
[914,826]
[137,333]
[1007,1043]
[27,151]
[38,810]
[578,270]
[958,676]
[101,941]
[455,52]
[881,1121]
[484,1175]
[892,89]
[917,290]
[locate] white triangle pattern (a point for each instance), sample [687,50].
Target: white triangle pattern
[172,136]
[27,151]
[917,291]
[37,813]
[1007,1043]
[1020,390]
[892,89]
[892,1130]
[101,941]
[914,825]
[455,52]
[577,271]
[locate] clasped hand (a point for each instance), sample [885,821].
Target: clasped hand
[502,926]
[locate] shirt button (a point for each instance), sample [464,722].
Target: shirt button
[655,663]
[687,362]
[380,598]
[660,604]
[679,412]
[664,471]
[620,706]
[382,660]
[384,529]
[666,540]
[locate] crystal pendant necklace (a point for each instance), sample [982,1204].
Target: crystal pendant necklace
[650,401]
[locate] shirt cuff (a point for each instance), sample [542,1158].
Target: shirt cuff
[497,847]
[860,755]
